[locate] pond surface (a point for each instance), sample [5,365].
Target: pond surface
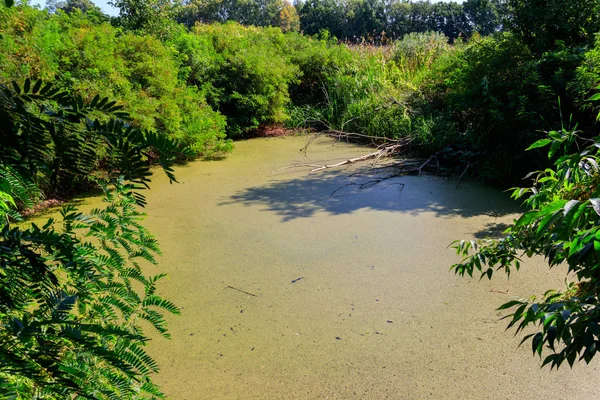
[290,292]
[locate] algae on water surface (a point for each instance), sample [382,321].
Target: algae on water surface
[377,314]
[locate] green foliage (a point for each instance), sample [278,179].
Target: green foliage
[250,74]
[319,15]
[74,6]
[485,15]
[69,307]
[147,16]
[92,58]
[562,226]
[419,50]
[73,297]
[245,12]
[586,80]
[371,90]
[377,21]
[541,23]
[500,95]
[488,97]
[360,96]
[488,89]
[15,192]
[55,138]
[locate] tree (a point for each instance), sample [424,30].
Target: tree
[246,12]
[563,226]
[289,21]
[450,19]
[542,23]
[70,297]
[364,18]
[70,6]
[483,16]
[398,19]
[150,16]
[319,15]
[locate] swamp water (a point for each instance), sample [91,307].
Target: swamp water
[289,292]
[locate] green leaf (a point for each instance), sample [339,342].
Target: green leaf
[509,304]
[527,218]
[537,343]
[569,206]
[594,97]
[37,86]
[553,149]
[540,143]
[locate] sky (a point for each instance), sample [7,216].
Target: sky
[103,4]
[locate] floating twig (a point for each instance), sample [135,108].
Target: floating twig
[463,174]
[240,290]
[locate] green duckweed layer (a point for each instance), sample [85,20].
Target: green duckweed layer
[348,296]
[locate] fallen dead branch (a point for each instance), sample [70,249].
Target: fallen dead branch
[385,148]
[348,136]
[463,174]
[386,151]
[430,159]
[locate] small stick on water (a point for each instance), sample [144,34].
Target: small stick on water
[463,174]
[296,280]
[240,290]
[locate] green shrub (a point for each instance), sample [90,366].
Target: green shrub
[251,78]
[91,58]
[587,80]
[352,90]
[202,129]
[490,88]
[317,59]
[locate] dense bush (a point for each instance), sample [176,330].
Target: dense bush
[250,74]
[501,96]
[96,59]
[488,98]
[417,51]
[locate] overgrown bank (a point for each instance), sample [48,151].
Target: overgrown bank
[484,100]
